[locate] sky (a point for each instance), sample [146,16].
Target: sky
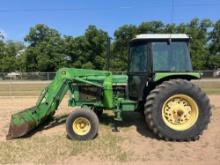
[72,17]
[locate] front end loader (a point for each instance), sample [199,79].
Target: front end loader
[158,85]
[81,83]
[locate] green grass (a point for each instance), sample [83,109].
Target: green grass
[211,90]
[51,149]
[27,89]
[12,89]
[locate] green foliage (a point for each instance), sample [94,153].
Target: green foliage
[120,46]
[197,29]
[198,46]
[215,45]
[151,27]
[2,48]
[87,51]
[47,50]
[9,52]
[40,33]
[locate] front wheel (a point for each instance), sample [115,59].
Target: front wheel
[177,110]
[82,124]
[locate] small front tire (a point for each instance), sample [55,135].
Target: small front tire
[82,124]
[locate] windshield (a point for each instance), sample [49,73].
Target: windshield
[172,56]
[138,58]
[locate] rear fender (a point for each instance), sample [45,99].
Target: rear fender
[164,76]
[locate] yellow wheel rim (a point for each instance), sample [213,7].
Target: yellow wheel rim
[81,126]
[180,112]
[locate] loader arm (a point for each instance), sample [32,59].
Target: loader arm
[25,121]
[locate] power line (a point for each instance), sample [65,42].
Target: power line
[75,9]
[63,9]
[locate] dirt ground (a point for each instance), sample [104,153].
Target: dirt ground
[134,143]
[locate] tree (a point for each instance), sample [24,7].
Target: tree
[198,30]
[40,33]
[151,27]
[9,54]
[95,47]
[170,28]
[2,46]
[120,46]
[45,50]
[215,45]
[87,51]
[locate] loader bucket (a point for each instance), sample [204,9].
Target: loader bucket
[24,122]
[27,120]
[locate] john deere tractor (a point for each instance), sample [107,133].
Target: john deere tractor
[158,84]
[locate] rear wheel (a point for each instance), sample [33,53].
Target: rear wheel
[177,110]
[82,125]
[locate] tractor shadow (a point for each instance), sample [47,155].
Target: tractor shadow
[129,119]
[49,123]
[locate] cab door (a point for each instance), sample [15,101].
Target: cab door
[138,69]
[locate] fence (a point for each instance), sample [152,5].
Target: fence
[30,84]
[41,76]
[46,76]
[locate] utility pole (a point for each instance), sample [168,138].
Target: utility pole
[108,53]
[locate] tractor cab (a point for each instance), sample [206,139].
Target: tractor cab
[156,53]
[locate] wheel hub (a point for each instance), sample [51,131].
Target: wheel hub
[180,112]
[81,126]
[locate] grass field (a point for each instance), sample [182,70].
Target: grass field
[133,144]
[56,148]
[210,86]
[13,88]
[33,88]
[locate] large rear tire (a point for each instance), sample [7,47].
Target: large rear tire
[177,110]
[82,125]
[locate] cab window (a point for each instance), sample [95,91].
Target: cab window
[172,56]
[138,58]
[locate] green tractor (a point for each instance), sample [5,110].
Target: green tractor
[157,85]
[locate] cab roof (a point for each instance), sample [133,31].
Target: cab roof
[161,36]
